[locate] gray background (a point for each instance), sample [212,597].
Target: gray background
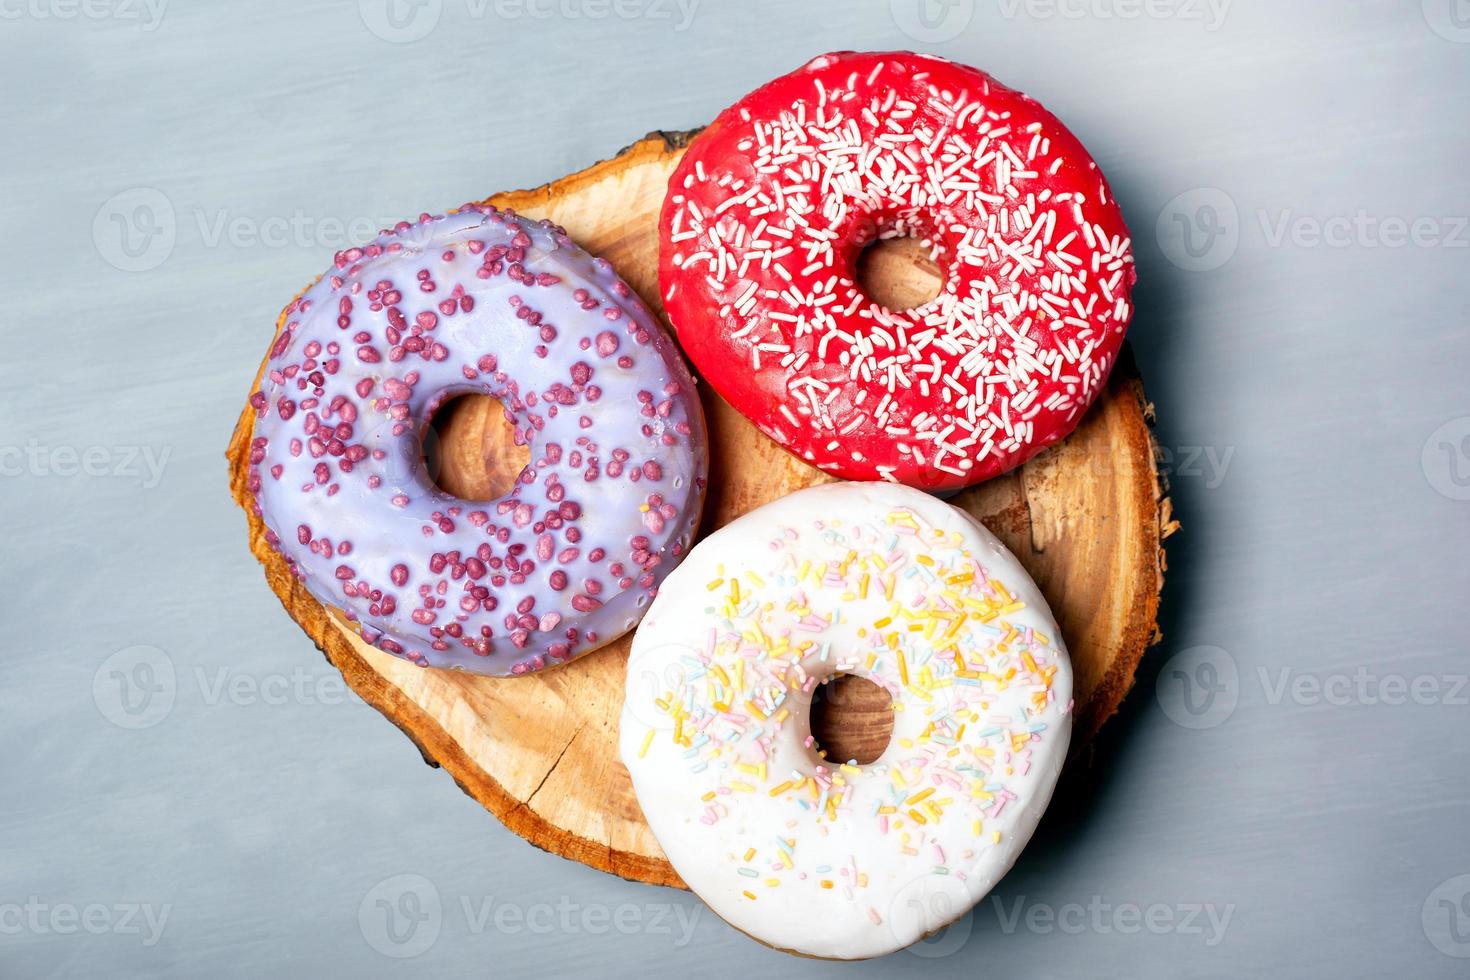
[171,745]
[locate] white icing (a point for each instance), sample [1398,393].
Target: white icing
[893,879]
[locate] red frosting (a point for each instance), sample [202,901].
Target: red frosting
[770,208]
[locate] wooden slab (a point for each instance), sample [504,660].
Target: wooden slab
[1087,518]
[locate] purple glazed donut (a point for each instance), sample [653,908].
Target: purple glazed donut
[479,300]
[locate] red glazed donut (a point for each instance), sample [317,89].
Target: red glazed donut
[771,206]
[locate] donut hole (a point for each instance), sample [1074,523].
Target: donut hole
[851,719]
[469,449]
[900,272]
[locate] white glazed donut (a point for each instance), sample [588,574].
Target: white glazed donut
[888,583]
